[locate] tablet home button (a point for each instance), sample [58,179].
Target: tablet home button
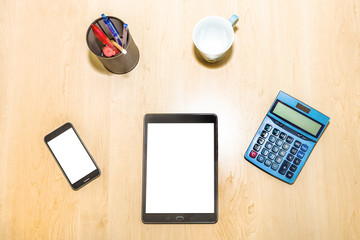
[180,218]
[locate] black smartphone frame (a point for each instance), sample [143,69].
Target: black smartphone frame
[179,218]
[84,180]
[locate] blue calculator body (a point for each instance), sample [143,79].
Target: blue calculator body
[286,137]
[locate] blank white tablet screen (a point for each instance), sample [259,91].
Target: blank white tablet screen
[180,168]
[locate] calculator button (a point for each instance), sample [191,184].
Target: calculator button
[272,138]
[304,148]
[293,168]
[293,150]
[282,135]
[300,154]
[271,156]
[257,147]
[282,153]
[264,152]
[290,157]
[267,162]
[260,141]
[274,166]
[289,175]
[268,145]
[261,158]
[284,166]
[297,144]
[268,127]
[286,146]
[279,142]
[253,154]
[264,134]
[276,132]
[289,139]
[297,161]
[275,149]
[278,159]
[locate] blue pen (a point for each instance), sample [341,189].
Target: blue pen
[112,29]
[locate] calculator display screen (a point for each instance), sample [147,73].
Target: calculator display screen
[296,118]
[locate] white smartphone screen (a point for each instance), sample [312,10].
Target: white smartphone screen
[180,168]
[71,155]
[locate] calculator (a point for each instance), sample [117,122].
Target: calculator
[286,137]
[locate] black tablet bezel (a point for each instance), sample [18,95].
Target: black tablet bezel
[175,218]
[84,180]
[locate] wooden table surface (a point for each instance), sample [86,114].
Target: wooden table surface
[309,49]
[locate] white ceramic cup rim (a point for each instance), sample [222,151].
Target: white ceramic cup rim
[227,24]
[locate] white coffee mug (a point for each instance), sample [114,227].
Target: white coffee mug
[213,36]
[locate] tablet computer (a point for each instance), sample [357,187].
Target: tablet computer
[180,165]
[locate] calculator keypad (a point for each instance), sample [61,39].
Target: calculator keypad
[293,168]
[274,166]
[284,166]
[268,145]
[282,136]
[275,149]
[297,161]
[253,154]
[261,158]
[272,139]
[289,175]
[278,159]
[286,146]
[300,154]
[297,144]
[276,132]
[278,151]
[271,156]
[289,139]
[264,134]
[267,162]
[293,150]
[268,127]
[279,142]
[257,147]
[290,157]
[304,148]
[260,141]
[264,151]
[282,153]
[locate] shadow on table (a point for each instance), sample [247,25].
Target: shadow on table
[217,64]
[95,62]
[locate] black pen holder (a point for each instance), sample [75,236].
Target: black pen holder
[120,63]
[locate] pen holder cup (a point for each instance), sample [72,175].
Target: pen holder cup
[121,63]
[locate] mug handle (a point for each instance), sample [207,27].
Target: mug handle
[233,20]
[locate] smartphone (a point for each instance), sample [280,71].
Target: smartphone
[72,156]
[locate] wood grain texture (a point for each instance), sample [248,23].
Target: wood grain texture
[309,49]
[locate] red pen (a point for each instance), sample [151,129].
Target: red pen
[103,38]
